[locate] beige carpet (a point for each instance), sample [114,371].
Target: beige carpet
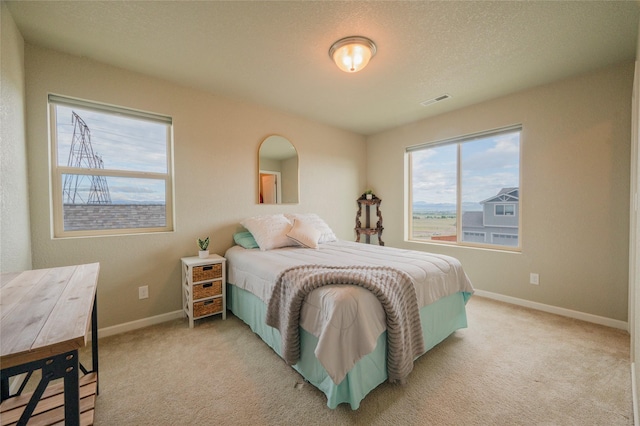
[512,366]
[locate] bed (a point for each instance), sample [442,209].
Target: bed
[343,348]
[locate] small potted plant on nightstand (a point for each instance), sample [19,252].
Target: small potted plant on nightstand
[203,245]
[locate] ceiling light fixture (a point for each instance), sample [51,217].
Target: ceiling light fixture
[351,54]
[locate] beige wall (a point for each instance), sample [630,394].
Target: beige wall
[215,154]
[15,244]
[575,190]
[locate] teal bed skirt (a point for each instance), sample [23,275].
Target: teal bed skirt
[439,320]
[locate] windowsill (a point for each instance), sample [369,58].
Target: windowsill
[517,250]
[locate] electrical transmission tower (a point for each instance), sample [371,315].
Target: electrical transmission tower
[81,155]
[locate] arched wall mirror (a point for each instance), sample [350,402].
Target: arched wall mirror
[277,171]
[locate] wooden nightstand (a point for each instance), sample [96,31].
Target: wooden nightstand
[204,287]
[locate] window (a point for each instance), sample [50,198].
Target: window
[505,209]
[111,169]
[466,190]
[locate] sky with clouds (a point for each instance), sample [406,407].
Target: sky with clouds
[488,165]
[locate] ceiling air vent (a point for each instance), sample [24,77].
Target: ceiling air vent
[434,100]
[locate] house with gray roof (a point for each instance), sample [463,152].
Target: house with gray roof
[498,221]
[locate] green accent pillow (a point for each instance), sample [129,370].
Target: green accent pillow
[245,239]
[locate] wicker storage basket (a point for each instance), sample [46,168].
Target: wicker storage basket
[200,291]
[207,307]
[207,272]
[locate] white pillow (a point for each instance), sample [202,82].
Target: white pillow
[269,231]
[304,234]
[326,234]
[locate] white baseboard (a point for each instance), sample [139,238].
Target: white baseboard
[622,325]
[141,323]
[634,395]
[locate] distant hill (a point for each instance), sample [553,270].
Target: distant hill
[424,207]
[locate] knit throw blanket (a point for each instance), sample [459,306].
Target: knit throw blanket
[393,288]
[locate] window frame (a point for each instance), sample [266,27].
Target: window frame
[459,140]
[58,171]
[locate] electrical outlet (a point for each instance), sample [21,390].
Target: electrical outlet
[534,279]
[143,292]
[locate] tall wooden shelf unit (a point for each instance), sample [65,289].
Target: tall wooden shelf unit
[367,229]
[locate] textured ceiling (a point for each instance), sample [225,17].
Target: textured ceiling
[276,53]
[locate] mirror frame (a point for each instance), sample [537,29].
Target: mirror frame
[262,169]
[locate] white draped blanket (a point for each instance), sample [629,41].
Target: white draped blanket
[394,289]
[346,319]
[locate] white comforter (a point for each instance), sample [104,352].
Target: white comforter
[345,316]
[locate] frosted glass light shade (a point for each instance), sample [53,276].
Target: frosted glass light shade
[351,54]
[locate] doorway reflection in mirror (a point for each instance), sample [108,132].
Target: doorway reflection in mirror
[277,171]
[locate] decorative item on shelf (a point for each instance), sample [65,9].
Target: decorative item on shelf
[203,245]
[368,194]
